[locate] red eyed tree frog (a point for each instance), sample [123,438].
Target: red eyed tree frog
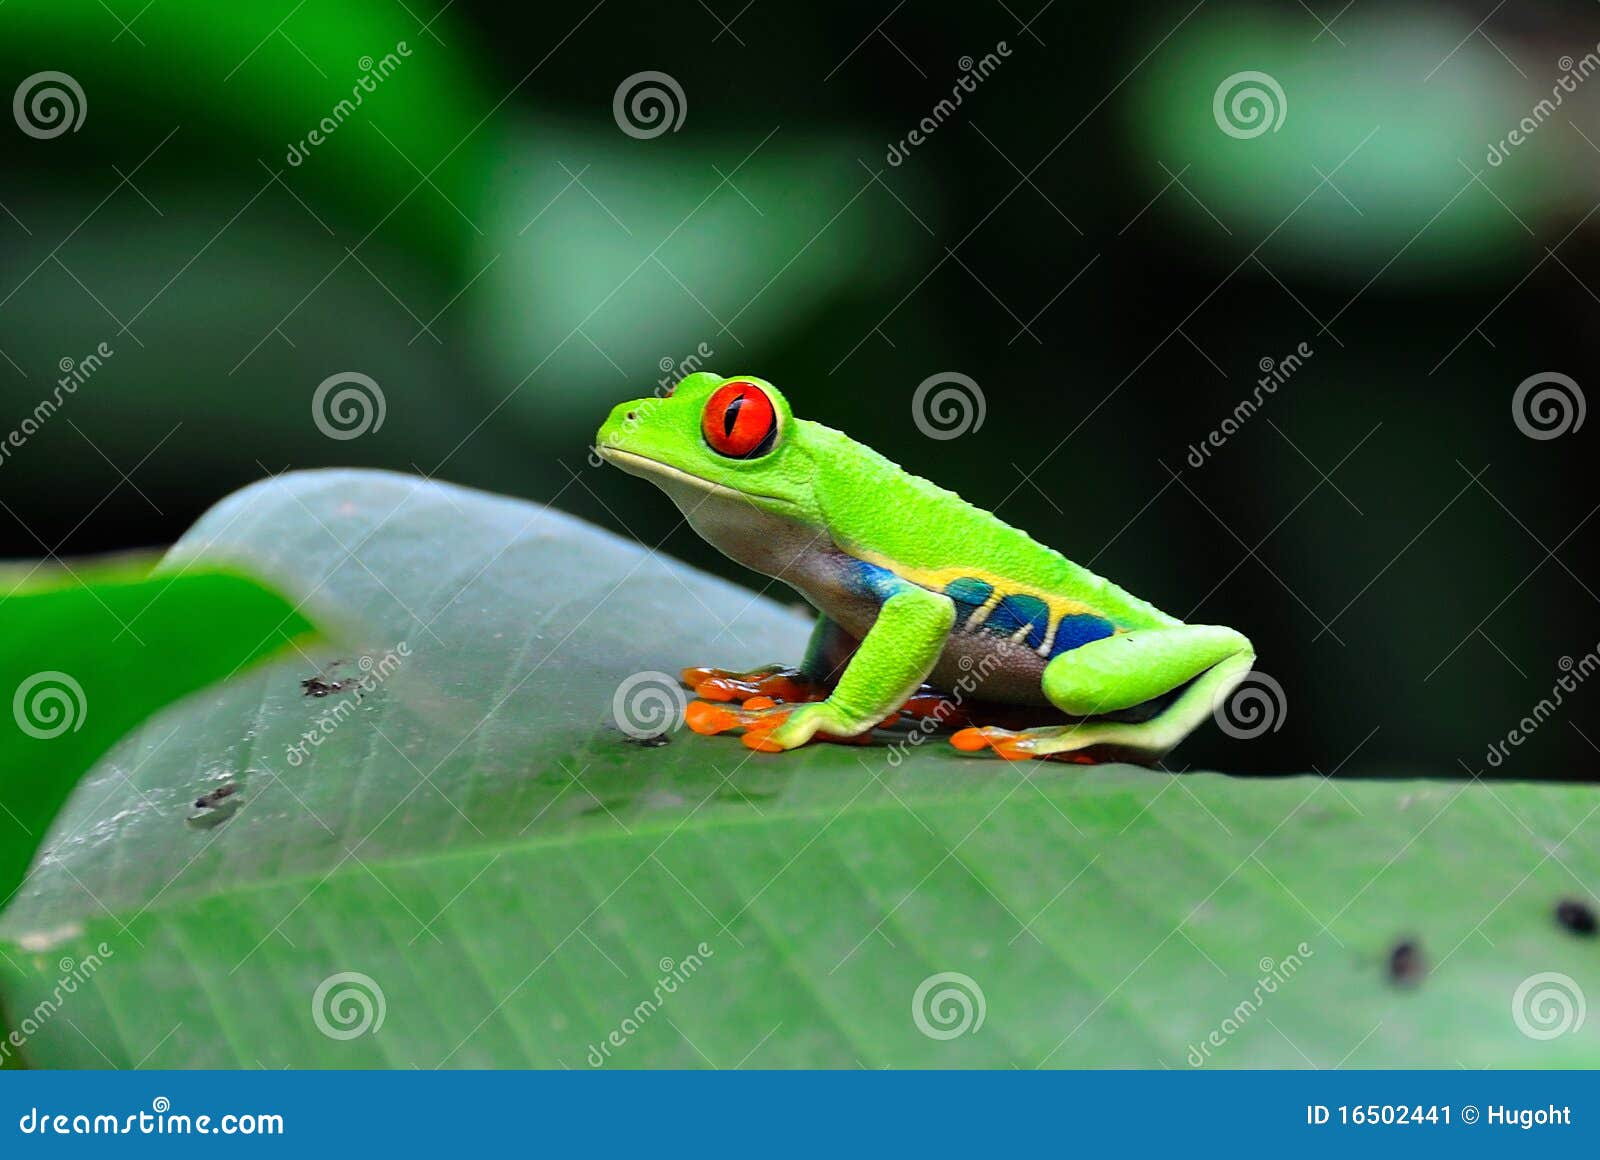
[913,585]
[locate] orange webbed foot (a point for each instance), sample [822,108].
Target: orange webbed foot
[774,681]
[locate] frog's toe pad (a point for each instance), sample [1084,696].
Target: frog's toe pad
[1005,743]
[756,715]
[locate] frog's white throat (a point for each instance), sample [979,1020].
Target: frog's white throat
[750,529]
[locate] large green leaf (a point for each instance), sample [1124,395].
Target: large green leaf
[475,842]
[87,653]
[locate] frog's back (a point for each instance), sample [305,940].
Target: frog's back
[997,574]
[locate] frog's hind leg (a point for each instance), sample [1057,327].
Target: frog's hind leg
[1203,663]
[828,652]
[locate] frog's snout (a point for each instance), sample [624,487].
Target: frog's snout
[615,433]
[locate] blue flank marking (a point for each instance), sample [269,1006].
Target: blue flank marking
[1015,612]
[969,596]
[876,581]
[1078,629]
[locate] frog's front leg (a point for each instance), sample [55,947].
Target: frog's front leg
[890,664]
[1119,672]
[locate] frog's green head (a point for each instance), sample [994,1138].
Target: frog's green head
[716,439]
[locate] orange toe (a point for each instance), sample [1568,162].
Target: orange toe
[765,723]
[715,689]
[708,719]
[969,740]
[1014,750]
[761,703]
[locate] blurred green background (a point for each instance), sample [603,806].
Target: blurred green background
[1080,236]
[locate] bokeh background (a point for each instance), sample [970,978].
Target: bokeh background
[1082,237]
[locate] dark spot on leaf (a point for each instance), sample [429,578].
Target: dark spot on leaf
[216,806]
[207,800]
[654,741]
[1577,916]
[1406,966]
[321,686]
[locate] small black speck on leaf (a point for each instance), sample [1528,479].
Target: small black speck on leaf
[654,741]
[1577,916]
[1406,967]
[206,800]
[320,686]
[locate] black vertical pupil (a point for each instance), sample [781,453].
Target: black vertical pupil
[730,417]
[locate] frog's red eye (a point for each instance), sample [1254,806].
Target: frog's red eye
[739,421]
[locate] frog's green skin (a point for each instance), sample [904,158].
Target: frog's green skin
[915,584]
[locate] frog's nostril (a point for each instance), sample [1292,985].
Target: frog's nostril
[631,416]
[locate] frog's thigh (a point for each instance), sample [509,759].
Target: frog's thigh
[1119,672]
[1212,661]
